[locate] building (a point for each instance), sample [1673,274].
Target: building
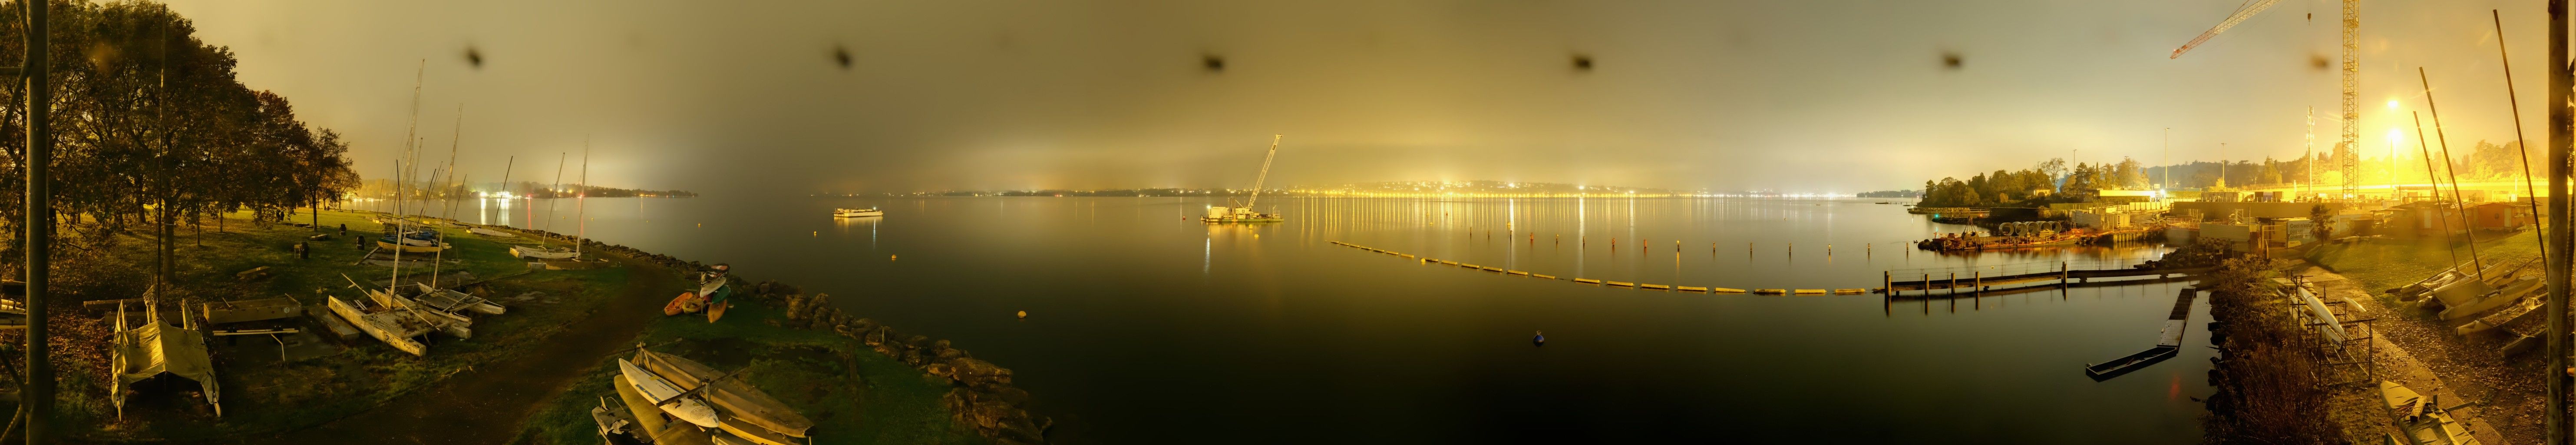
[2500,216]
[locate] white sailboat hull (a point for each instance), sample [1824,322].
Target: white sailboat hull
[657,390]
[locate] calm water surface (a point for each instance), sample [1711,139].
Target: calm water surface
[1148,326]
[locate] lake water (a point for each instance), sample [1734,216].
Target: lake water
[1146,326]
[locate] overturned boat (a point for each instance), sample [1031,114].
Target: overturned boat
[749,413]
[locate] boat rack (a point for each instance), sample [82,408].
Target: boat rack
[2341,335]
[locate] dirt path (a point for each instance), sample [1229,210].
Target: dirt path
[487,404]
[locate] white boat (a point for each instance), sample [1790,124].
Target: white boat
[657,390]
[542,252]
[857,213]
[490,233]
[456,325]
[394,327]
[2423,419]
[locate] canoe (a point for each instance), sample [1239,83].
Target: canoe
[656,390]
[687,302]
[743,405]
[490,233]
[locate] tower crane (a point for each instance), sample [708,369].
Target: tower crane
[1245,214]
[2347,150]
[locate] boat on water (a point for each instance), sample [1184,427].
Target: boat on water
[857,213]
[1244,213]
[2132,362]
[543,252]
[2423,418]
[659,391]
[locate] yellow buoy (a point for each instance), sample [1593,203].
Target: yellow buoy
[818,233]
[1024,314]
[890,257]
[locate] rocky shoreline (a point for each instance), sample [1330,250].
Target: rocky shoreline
[981,398]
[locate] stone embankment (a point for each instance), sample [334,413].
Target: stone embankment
[982,398]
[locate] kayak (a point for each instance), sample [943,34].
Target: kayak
[687,302]
[716,311]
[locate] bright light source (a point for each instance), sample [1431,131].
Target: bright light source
[2392,104]
[2394,136]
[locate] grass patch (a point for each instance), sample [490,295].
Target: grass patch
[262,395]
[854,395]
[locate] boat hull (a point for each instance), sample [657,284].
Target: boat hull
[364,324]
[541,253]
[656,390]
[411,248]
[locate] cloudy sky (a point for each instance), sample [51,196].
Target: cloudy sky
[1813,96]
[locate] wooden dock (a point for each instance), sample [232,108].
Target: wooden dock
[1991,277]
[2168,342]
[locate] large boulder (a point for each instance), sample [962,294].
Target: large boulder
[978,373]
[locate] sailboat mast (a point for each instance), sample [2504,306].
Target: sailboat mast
[452,143]
[552,192]
[581,222]
[505,181]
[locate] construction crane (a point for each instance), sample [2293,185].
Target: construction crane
[2347,150]
[1245,214]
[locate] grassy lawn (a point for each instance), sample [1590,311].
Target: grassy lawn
[2379,265]
[854,396]
[262,394]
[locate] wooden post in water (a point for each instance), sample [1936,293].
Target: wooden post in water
[2061,273]
[1979,281]
[1927,286]
[1954,282]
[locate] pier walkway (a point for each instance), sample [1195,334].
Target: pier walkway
[2168,342]
[1984,278]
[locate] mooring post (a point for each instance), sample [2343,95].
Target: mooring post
[1979,280]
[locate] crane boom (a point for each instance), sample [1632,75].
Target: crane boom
[2243,11]
[1265,172]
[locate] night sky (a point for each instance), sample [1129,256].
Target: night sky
[1799,96]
